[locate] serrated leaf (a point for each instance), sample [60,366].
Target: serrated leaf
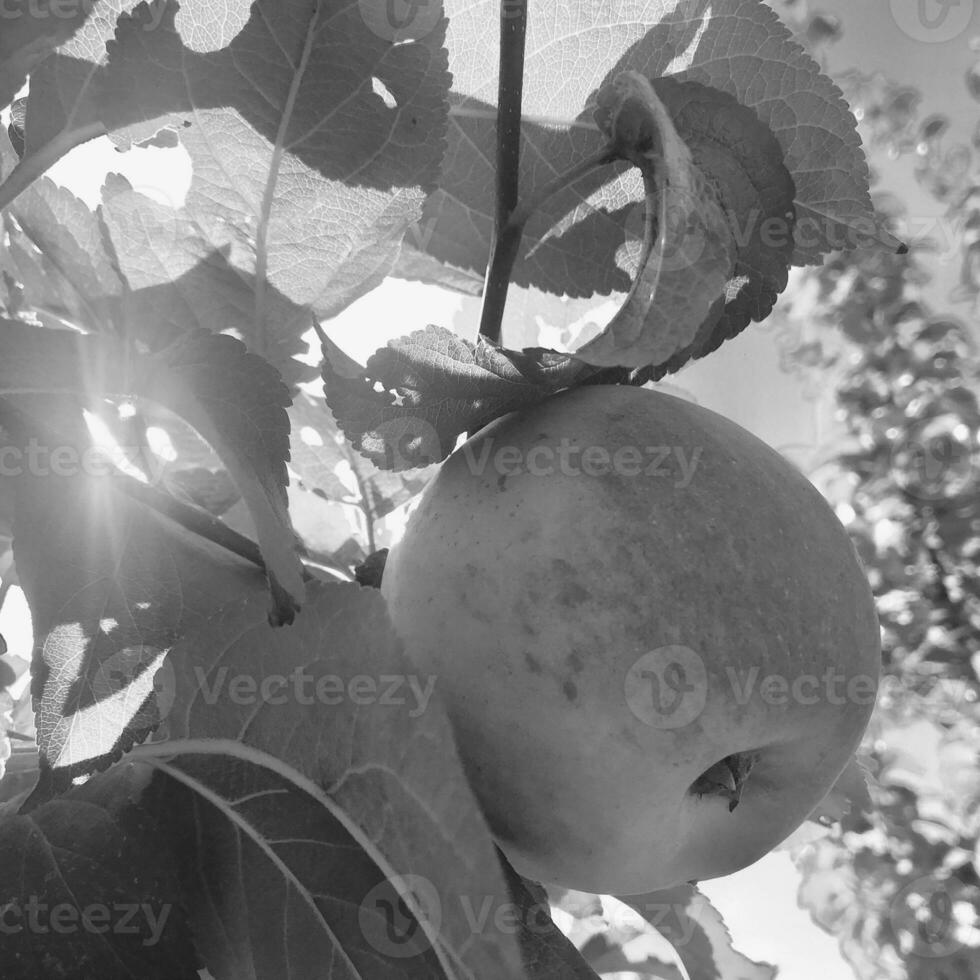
[55,249]
[737,47]
[416,396]
[698,933]
[237,402]
[335,134]
[179,282]
[741,156]
[689,249]
[111,586]
[61,106]
[32,29]
[88,892]
[380,759]
[234,399]
[319,451]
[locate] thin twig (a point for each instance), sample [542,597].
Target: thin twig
[510,94]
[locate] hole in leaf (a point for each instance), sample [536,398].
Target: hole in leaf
[383,92]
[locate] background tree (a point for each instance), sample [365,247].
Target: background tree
[898,883]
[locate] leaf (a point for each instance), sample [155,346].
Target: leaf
[698,933]
[319,452]
[738,47]
[61,106]
[211,490]
[351,493]
[15,128]
[234,399]
[335,134]
[329,707]
[615,939]
[87,891]
[57,252]
[180,282]
[32,29]
[689,249]
[434,386]
[237,402]
[61,109]
[286,861]
[112,586]
[740,155]
[545,951]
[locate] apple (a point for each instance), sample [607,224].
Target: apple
[654,639]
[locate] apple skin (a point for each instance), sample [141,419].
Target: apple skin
[533,595]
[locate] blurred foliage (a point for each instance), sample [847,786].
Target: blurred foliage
[899,885]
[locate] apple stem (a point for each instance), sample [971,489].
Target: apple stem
[510,94]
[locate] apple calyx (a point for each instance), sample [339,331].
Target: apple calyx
[726,778]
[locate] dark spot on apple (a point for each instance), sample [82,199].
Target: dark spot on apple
[570,690]
[572,594]
[470,569]
[532,662]
[502,482]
